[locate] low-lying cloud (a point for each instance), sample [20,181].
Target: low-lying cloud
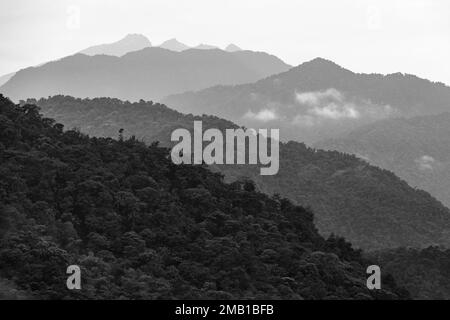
[316,97]
[332,104]
[335,111]
[264,115]
[425,162]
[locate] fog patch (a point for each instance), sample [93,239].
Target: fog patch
[333,105]
[425,162]
[263,115]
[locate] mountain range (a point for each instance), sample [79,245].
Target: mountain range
[309,103]
[369,206]
[150,73]
[131,42]
[317,100]
[134,42]
[365,157]
[141,227]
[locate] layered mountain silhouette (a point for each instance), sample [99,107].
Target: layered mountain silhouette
[141,227]
[174,45]
[317,100]
[131,42]
[150,73]
[415,149]
[367,205]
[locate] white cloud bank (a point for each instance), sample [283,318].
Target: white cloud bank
[316,97]
[332,104]
[335,111]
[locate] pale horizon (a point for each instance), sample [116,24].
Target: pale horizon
[408,36]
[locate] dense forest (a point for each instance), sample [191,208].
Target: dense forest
[370,207]
[425,273]
[141,227]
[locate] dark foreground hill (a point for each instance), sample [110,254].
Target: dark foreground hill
[141,227]
[415,149]
[150,73]
[369,206]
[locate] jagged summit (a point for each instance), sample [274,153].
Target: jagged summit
[174,45]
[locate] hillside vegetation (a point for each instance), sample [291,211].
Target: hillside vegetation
[141,227]
[370,207]
[425,273]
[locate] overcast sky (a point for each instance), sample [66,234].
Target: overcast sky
[383,36]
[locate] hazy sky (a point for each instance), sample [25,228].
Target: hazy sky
[383,36]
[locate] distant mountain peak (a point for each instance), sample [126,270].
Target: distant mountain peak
[131,42]
[174,45]
[319,66]
[321,62]
[232,48]
[136,37]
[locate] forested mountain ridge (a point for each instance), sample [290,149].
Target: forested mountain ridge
[150,73]
[415,149]
[316,100]
[369,206]
[141,227]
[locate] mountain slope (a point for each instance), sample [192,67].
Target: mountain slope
[151,73]
[415,149]
[5,78]
[317,100]
[131,42]
[141,227]
[368,206]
